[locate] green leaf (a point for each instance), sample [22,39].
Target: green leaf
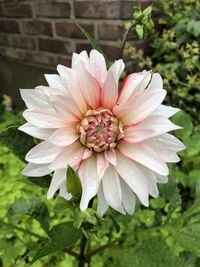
[16,141]
[62,236]
[184,120]
[93,43]
[152,253]
[73,183]
[137,13]
[170,192]
[139,29]
[33,207]
[188,237]
[147,11]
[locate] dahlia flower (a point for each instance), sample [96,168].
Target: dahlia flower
[117,141]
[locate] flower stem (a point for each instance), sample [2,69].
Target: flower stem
[125,38]
[82,258]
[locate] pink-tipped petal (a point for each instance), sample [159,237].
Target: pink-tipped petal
[133,176]
[44,152]
[132,83]
[44,118]
[102,164]
[58,178]
[64,136]
[71,82]
[89,181]
[69,155]
[55,81]
[109,91]
[111,156]
[35,99]
[128,198]
[102,205]
[98,66]
[112,189]
[144,154]
[36,170]
[35,131]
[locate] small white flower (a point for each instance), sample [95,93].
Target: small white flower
[118,143]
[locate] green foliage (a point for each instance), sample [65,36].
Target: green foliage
[73,183]
[62,236]
[16,141]
[175,53]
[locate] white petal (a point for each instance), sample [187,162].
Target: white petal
[71,82]
[112,189]
[117,68]
[44,118]
[128,198]
[150,180]
[156,82]
[109,91]
[58,178]
[64,136]
[131,83]
[150,127]
[171,142]
[89,181]
[35,99]
[35,131]
[66,108]
[44,152]
[102,164]
[161,179]
[133,176]
[69,155]
[89,86]
[63,190]
[55,81]
[138,108]
[102,205]
[110,156]
[98,66]
[36,170]
[166,111]
[144,154]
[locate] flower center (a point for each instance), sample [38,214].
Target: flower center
[100,130]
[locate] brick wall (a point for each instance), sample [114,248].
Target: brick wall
[44,32]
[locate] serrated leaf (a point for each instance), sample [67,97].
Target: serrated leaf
[139,29]
[93,43]
[188,237]
[62,236]
[16,141]
[147,11]
[73,183]
[184,120]
[34,207]
[152,253]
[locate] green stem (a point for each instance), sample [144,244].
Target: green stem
[82,258]
[20,229]
[125,38]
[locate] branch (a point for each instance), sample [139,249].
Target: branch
[125,38]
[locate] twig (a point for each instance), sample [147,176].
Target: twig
[125,38]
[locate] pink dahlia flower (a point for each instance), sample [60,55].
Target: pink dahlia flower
[117,142]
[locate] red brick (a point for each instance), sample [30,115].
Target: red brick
[17,10]
[9,26]
[4,39]
[37,27]
[112,52]
[109,32]
[104,9]
[71,30]
[56,46]
[83,46]
[64,61]
[22,42]
[56,10]
[40,58]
